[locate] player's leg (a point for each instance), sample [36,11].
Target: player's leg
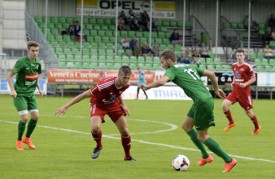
[122,126]
[204,118]
[254,119]
[215,148]
[225,107]
[188,128]
[97,118]
[33,109]
[138,88]
[145,94]
[97,135]
[21,105]
[246,104]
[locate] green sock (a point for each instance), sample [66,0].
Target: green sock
[215,147]
[193,136]
[21,129]
[31,126]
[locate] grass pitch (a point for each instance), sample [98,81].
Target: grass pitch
[64,144]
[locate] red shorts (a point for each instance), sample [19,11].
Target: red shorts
[114,111]
[244,100]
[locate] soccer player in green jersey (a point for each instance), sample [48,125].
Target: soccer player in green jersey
[200,114]
[26,69]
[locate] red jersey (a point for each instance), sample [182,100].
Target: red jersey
[105,92]
[242,74]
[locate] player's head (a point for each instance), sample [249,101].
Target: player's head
[167,58]
[240,55]
[33,49]
[124,75]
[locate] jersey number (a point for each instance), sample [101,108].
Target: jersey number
[194,75]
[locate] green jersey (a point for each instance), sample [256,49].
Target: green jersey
[188,78]
[26,76]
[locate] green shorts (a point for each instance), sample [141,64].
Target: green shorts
[24,104]
[202,113]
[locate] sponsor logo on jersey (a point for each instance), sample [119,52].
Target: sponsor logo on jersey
[31,77]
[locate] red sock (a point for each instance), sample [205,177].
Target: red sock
[97,137]
[255,121]
[228,116]
[126,143]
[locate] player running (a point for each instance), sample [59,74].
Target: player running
[200,114]
[244,76]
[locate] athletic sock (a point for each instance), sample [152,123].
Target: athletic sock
[97,137]
[199,144]
[215,147]
[21,129]
[255,121]
[228,116]
[31,127]
[126,143]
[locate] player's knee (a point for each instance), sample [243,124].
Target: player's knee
[125,133]
[24,118]
[201,138]
[95,130]
[186,128]
[250,113]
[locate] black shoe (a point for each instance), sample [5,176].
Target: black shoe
[96,152]
[131,159]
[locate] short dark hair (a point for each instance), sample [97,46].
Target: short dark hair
[168,54]
[240,50]
[125,69]
[32,44]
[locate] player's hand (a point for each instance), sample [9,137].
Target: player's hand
[13,93]
[220,93]
[41,93]
[60,111]
[125,108]
[242,85]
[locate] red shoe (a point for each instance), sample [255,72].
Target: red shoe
[229,166]
[256,131]
[227,128]
[19,145]
[204,161]
[28,141]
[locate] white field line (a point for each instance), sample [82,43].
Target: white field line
[144,142]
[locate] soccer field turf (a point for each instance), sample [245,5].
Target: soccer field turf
[64,144]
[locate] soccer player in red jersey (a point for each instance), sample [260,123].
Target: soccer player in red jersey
[105,98]
[244,76]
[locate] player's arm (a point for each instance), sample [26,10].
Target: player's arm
[39,89]
[155,84]
[211,75]
[249,82]
[75,100]
[123,105]
[10,83]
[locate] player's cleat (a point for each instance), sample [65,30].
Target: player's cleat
[130,159]
[19,145]
[28,141]
[204,161]
[256,131]
[229,166]
[96,152]
[229,126]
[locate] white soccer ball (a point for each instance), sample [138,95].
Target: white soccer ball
[180,163]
